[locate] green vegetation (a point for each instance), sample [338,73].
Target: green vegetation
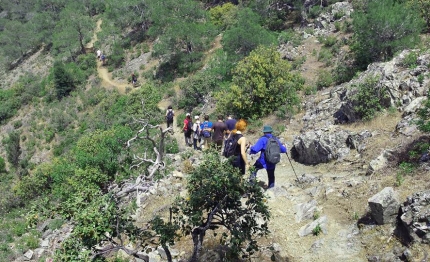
[262,82]
[369,99]
[424,114]
[383,28]
[215,186]
[317,230]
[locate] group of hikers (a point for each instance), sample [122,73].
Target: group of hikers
[228,138]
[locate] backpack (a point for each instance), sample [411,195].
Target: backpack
[205,133]
[189,129]
[169,116]
[230,145]
[272,153]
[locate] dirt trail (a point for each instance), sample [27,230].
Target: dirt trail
[102,71]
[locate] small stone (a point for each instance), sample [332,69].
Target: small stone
[28,255]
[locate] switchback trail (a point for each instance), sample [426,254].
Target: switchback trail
[102,71]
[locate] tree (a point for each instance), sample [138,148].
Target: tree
[13,148]
[63,80]
[245,35]
[424,7]
[214,196]
[16,39]
[73,30]
[262,83]
[184,33]
[383,28]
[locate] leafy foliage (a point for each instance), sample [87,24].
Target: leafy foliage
[223,15]
[424,114]
[214,191]
[262,82]
[369,98]
[196,88]
[13,148]
[385,27]
[245,35]
[63,80]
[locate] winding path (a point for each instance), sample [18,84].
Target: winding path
[102,71]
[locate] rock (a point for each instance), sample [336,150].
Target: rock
[28,255]
[276,247]
[307,229]
[384,206]
[415,216]
[320,146]
[39,251]
[178,174]
[162,252]
[378,163]
[413,106]
[210,255]
[44,243]
[305,210]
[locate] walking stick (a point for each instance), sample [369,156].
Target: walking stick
[293,168]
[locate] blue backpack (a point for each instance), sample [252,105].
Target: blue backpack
[205,133]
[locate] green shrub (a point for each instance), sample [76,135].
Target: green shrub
[13,147]
[19,228]
[290,36]
[410,60]
[325,56]
[317,230]
[171,146]
[223,16]
[315,11]
[368,99]
[338,15]
[262,82]
[2,165]
[324,79]
[343,73]
[383,28]
[424,115]
[195,89]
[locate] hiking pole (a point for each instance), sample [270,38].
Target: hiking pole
[292,168]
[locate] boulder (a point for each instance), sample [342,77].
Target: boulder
[320,146]
[415,216]
[384,206]
[378,163]
[305,210]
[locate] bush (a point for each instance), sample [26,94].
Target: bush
[2,165]
[410,60]
[13,148]
[382,29]
[368,99]
[315,11]
[324,79]
[424,116]
[223,16]
[195,89]
[325,56]
[262,82]
[343,73]
[290,36]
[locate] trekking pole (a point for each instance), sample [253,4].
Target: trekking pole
[293,168]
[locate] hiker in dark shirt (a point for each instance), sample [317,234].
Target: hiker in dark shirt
[219,129]
[231,124]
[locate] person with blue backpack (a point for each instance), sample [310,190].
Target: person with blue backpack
[271,149]
[206,132]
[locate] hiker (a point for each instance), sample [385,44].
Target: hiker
[98,53]
[187,129]
[133,79]
[170,114]
[196,130]
[262,161]
[238,151]
[205,133]
[218,128]
[231,124]
[103,58]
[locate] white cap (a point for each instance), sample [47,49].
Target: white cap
[196,117]
[188,114]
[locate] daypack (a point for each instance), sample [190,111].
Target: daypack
[189,127]
[205,133]
[230,145]
[272,153]
[169,116]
